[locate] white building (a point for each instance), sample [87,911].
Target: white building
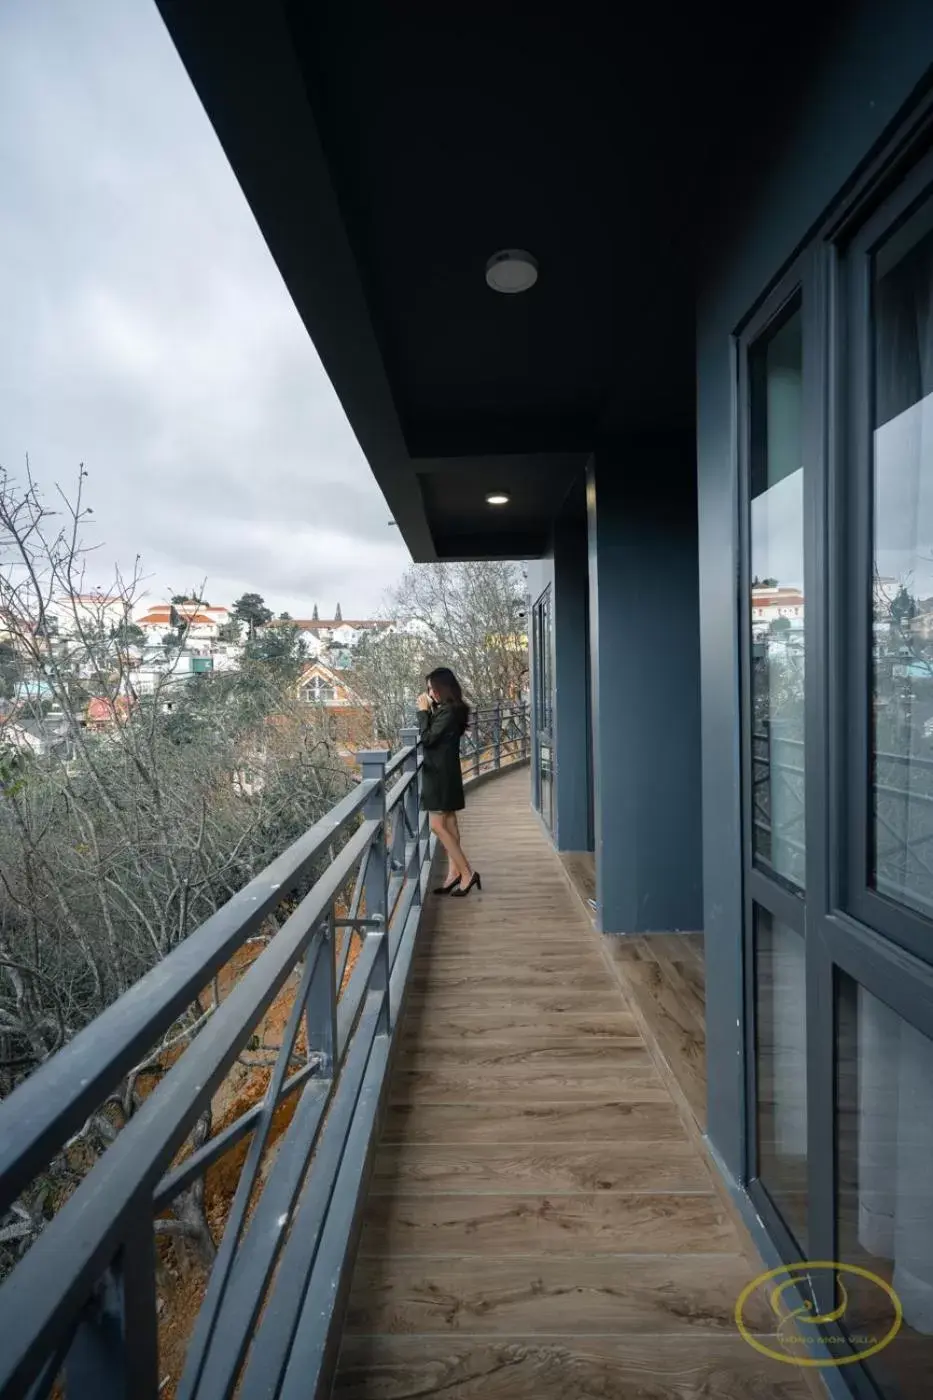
[769,604]
[202,623]
[94,614]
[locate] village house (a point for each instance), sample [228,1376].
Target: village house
[350,721]
[200,621]
[334,638]
[770,603]
[90,614]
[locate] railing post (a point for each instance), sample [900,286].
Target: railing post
[114,1354]
[413,811]
[321,1005]
[376,884]
[497,736]
[474,721]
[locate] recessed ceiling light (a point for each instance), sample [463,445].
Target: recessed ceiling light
[497,498]
[511,270]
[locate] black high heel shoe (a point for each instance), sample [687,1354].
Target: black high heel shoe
[464,890]
[447,889]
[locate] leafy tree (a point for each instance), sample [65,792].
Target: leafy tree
[282,649]
[780,624]
[229,631]
[128,635]
[191,599]
[285,617]
[903,607]
[252,610]
[11,671]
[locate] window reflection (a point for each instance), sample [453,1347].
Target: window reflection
[781,1069]
[902,769]
[777,601]
[884,1147]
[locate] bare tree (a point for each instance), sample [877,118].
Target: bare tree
[473,618]
[127,814]
[388,672]
[469,616]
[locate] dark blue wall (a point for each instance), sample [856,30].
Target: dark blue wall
[877,59]
[641,506]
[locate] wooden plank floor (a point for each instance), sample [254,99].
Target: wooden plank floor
[664,977]
[542,1221]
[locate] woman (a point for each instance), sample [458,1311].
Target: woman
[442,719]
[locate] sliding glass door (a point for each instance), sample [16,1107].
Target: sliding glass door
[835,388]
[543,700]
[774,605]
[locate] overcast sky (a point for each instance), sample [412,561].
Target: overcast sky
[145,330]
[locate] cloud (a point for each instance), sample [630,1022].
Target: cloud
[148,334]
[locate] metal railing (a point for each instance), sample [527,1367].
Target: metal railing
[901,812]
[496,735]
[79,1312]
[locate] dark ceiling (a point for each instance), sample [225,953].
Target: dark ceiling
[388,149]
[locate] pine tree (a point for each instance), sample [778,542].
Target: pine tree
[314,616]
[338,615]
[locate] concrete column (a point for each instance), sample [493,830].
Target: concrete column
[642,542]
[571,701]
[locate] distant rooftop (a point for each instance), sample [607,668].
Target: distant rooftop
[330,624]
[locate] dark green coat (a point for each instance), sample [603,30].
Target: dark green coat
[441,778]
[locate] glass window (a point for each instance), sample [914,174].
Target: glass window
[543,700]
[781,1069]
[902,585]
[777,598]
[318,692]
[884,1152]
[542,662]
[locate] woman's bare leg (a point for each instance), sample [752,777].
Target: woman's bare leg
[450,821]
[455,826]
[461,866]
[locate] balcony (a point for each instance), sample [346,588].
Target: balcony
[542,1219]
[474,1170]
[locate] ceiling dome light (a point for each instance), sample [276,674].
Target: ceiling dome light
[511,270]
[497,498]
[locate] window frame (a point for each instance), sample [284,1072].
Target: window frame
[763,887]
[847,930]
[787,298]
[543,662]
[853,332]
[542,691]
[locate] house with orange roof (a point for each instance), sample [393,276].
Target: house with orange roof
[104,711]
[199,620]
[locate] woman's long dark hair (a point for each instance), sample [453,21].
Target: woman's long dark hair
[447,688]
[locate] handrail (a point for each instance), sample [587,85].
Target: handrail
[84,1294]
[57,1099]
